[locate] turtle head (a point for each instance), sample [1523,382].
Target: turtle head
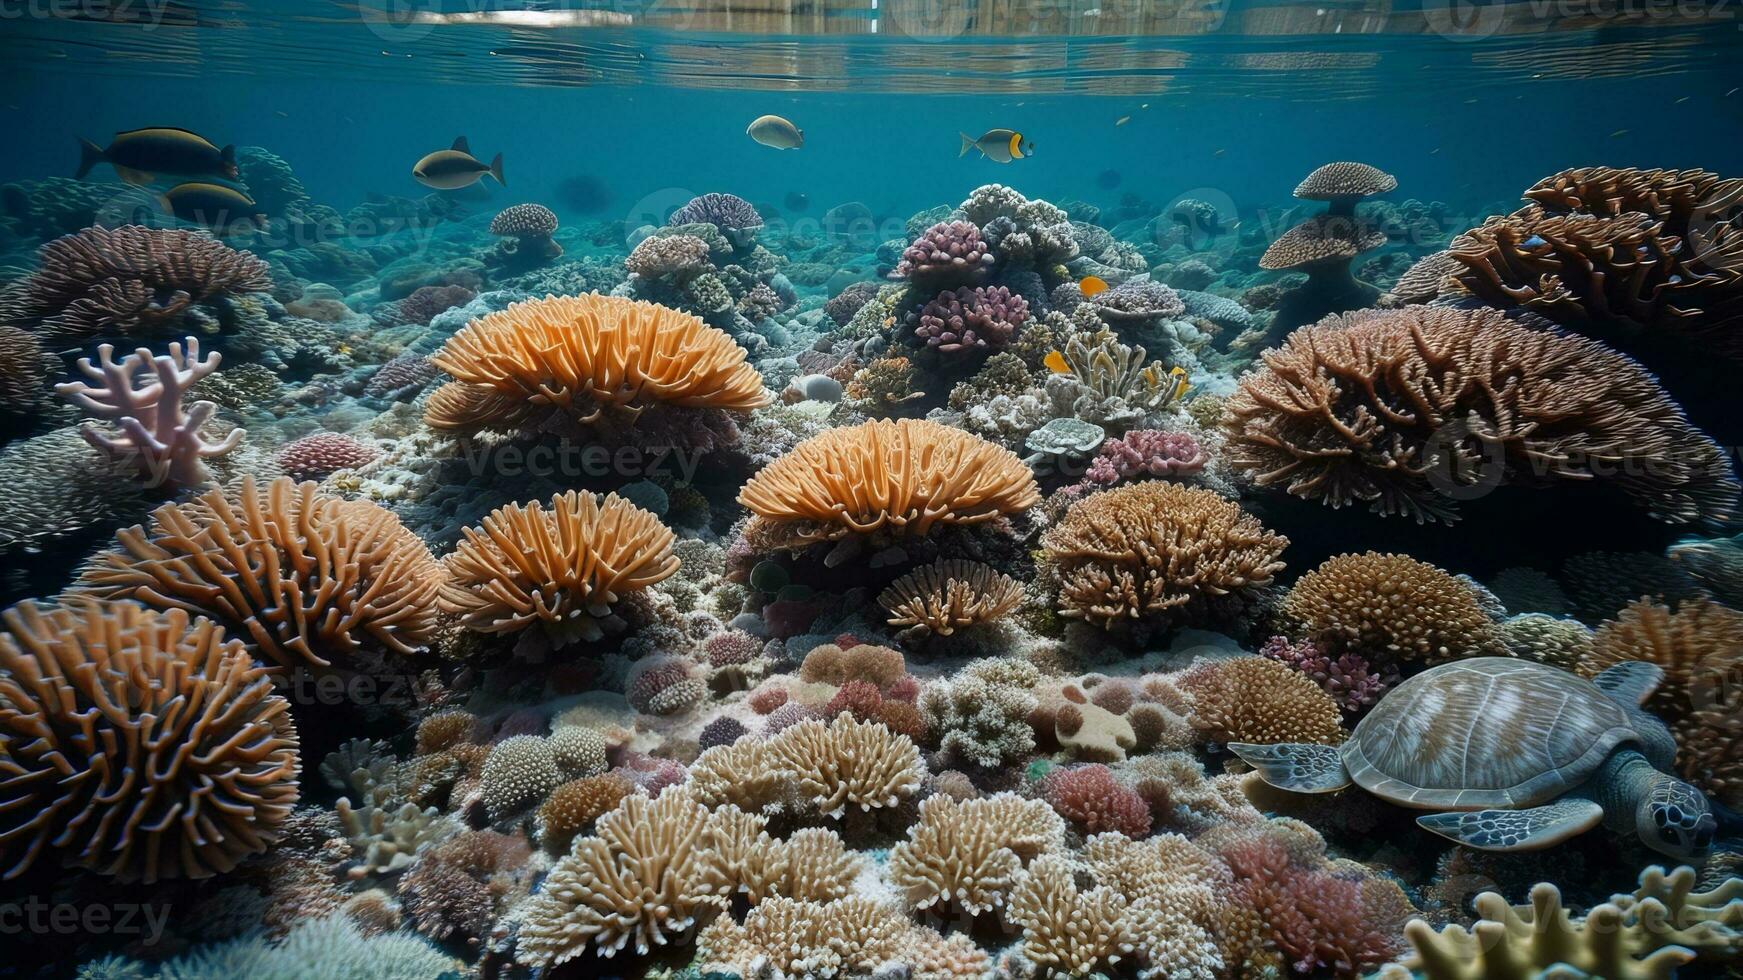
[1675,819]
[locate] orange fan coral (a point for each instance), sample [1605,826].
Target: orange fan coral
[128,280]
[899,477]
[561,568]
[303,576]
[1154,547]
[137,743]
[1394,407]
[570,359]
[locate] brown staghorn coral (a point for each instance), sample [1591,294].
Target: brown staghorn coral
[567,361]
[970,853]
[1387,608]
[1699,645]
[1156,548]
[304,577]
[1649,935]
[1256,699]
[137,743]
[900,477]
[128,280]
[635,884]
[949,595]
[1678,197]
[1406,409]
[561,568]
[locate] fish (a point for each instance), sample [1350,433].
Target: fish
[999,145]
[1091,285]
[1219,152]
[219,207]
[776,132]
[1107,180]
[1619,133]
[798,201]
[455,167]
[1122,120]
[139,156]
[1055,362]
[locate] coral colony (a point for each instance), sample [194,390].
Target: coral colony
[929,613]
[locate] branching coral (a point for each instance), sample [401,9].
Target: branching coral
[1407,409]
[138,744]
[1388,608]
[1255,699]
[128,280]
[1094,801]
[561,568]
[981,715]
[848,763]
[304,577]
[1112,384]
[1067,930]
[1154,548]
[901,477]
[1146,453]
[970,854]
[156,433]
[949,595]
[1649,935]
[570,360]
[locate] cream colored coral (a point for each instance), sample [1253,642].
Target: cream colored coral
[807,939]
[970,853]
[1066,930]
[848,762]
[742,859]
[1170,885]
[949,595]
[819,865]
[745,774]
[635,884]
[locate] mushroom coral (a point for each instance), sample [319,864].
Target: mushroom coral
[1405,409]
[566,361]
[1156,548]
[899,477]
[1324,245]
[304,577]
[137,743]
[561,567]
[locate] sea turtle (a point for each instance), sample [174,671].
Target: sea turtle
[1519,755]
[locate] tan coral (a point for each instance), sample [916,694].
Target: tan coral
[573,358]
[901,478]
[1407,409]
[137,743]
[971,853]
[1155,547]
[949,595]
[562,568]
[852,936]
[1386,608]
[636,884]
[848,762]
[301,576]
[1067,930]
[1256,699]
[744,774]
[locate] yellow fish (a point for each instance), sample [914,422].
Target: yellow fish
[998,145]
[1179,375]
[1055,362]
[1091,285]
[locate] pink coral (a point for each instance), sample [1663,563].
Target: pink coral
[948,249]
[767,699]
[318,456]
[663,686]
[858,698]
[1146,452]
[1092,799]
[731,648]
[1350,680]
[1318,920]
[427,301]
[971,317]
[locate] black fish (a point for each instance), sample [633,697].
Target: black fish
[455,167]
[215,206]
[140,155]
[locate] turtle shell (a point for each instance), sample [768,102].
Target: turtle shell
[1485,732]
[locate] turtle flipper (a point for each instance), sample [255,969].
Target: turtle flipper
[1516,830]
[1299,767]
[1630,682]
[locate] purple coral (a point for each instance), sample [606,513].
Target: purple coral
[1146,452]
[1349,679]
[948,249]
[843,305]
[405,375]
[727,212]
[317,456]
[970,317]
[427,301]
[143,398]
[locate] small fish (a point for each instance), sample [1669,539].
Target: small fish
[1619,133]
[1122,120]
[998,145]
[1182,385]
[776,132]
[1219,152]
[455,167]
[1091,285]
[215,206]
[1108,179]
[798,201]
[1055,362]
[1145,105]
[1732,92]
[139,155]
